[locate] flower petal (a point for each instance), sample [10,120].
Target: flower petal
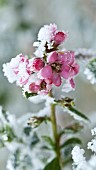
[52,57]
[46,72]
[56,79]
[72,83]
[60,37]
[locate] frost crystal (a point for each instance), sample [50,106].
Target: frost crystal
[80,162]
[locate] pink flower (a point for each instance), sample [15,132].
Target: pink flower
[60,65]
[35,64]
[49,33]
[59,37]
[40,87]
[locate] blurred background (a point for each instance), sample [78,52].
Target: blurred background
[20,21]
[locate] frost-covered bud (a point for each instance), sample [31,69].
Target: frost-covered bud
[36,121]
[38,64]
[60,36]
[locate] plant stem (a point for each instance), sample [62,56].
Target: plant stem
[54,128]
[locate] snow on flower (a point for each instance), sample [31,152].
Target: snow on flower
[40,49]
[47,32]
[50,33]
[47,68]
[16,70]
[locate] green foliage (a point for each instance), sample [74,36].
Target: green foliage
[9,133]
[20,161]
[34,140]
[49,141]
[1,143]
[30,94]
[68,104]
[27,130]
[72,129]
[3,2]
[71,141]
[53,165]
[74,110]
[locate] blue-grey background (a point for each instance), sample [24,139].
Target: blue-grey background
[20,21]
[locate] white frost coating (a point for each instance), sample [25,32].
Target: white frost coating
[8,72]
[78,155]
[85,52]
[67,87]
[79,118]
[80,162]
[40,50]
[92,145]
[47,32]
[93,131]
[90,76]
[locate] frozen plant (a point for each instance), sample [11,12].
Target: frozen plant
[80,162]
[37,76]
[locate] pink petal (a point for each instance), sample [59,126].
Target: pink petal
[33,88]
[60,37]
[66,57]
[52,57]
[72,83]
[38,64]
[56,79]
[65,73]
[46,72]
[76,68]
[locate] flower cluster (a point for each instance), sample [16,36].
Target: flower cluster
[80,162]
[48,67]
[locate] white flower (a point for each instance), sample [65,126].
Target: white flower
[47,32]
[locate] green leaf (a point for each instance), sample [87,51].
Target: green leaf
[53,165]
[71,141]
[73,128]
[27,130]
[74,110]
[49,141]
[30,94]
[1,143]
[34,140]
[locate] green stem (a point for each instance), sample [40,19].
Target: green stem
[54,128]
